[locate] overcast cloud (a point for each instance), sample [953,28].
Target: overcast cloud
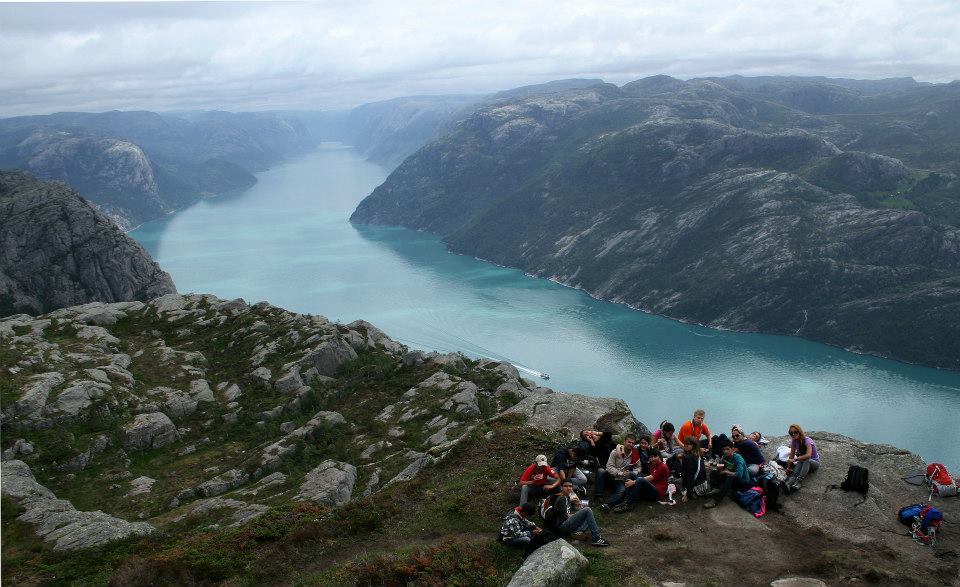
[336,54]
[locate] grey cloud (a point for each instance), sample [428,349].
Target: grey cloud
[336,54]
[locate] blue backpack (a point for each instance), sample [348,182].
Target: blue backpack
[752,500]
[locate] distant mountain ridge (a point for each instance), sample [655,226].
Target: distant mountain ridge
[138,166]
[59,251]
[793,206]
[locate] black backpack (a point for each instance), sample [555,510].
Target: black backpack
[858,479]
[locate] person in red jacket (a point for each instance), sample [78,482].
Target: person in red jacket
[538,480]
[653,487]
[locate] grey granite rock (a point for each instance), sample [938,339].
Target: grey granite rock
[153,430]
[556,564]
[329,483]
[571,413]
[222,483]
[327,356]
[61,251]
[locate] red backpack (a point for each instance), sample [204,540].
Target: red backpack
[941,483]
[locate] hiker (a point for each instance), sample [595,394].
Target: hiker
[716,451]
[696,428]
[730,475]
[668,445]
[598,444]
[760,439]
[620,469]
[645,450]
[565,463]
[748,449]
[538,480]
[652,487]
[518,530]
[563,523]
[803,459]
[693,468]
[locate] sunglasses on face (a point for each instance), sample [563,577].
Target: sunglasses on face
[794,433]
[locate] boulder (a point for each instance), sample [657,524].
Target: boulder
[570,413]
[76,398]
[141,485]
[261,376]
[200,391]
[153,430]
[327,356]
[330,483]
[177,404]
[557,564]
[35,394]
[290,382]
[19,447]
[231,393]
[223,483]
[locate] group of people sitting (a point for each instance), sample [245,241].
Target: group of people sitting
[691,462]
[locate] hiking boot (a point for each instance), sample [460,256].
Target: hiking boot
[600,542]
[711,504]
[622,507]
[605,508]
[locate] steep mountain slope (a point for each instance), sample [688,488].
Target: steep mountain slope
[196,441]
[707,201]
[58,251]
[137,166]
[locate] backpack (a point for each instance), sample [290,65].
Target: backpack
[941,483]
[752,500]
[858,479]
[771,491]
[923,520]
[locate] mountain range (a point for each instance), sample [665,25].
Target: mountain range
[814,207]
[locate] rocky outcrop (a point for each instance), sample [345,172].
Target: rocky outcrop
[571,413]
[556,564]
[329,483]
[56,520]
[59,251]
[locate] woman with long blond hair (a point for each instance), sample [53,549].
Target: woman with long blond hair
[804,458]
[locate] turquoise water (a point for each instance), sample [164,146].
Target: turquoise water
[287,240]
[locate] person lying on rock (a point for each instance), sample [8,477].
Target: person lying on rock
[760,439]
[620,468]
[696,428]
[538,480]
[693,469]
[670,448]
[748,449]
[597,444]
[565,463]
[803,460]
[518,529]
[652,487]
[564,521]
[729,475]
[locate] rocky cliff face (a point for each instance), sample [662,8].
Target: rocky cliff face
[223,442]
[709,201]
[137,166]
[58,251]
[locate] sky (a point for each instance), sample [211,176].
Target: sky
[340,53]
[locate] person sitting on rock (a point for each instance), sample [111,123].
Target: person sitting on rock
[565,463]
[597,444]
[804,458]
[748,449]
[696,428]
[538,480]
[564,523]
[693,468]
[620,468]
[668,445]
[760,439]
[729,475]
[518,529]
[652,487]
[645,450]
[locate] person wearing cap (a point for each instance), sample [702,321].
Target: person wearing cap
[748,449]
[538,480]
